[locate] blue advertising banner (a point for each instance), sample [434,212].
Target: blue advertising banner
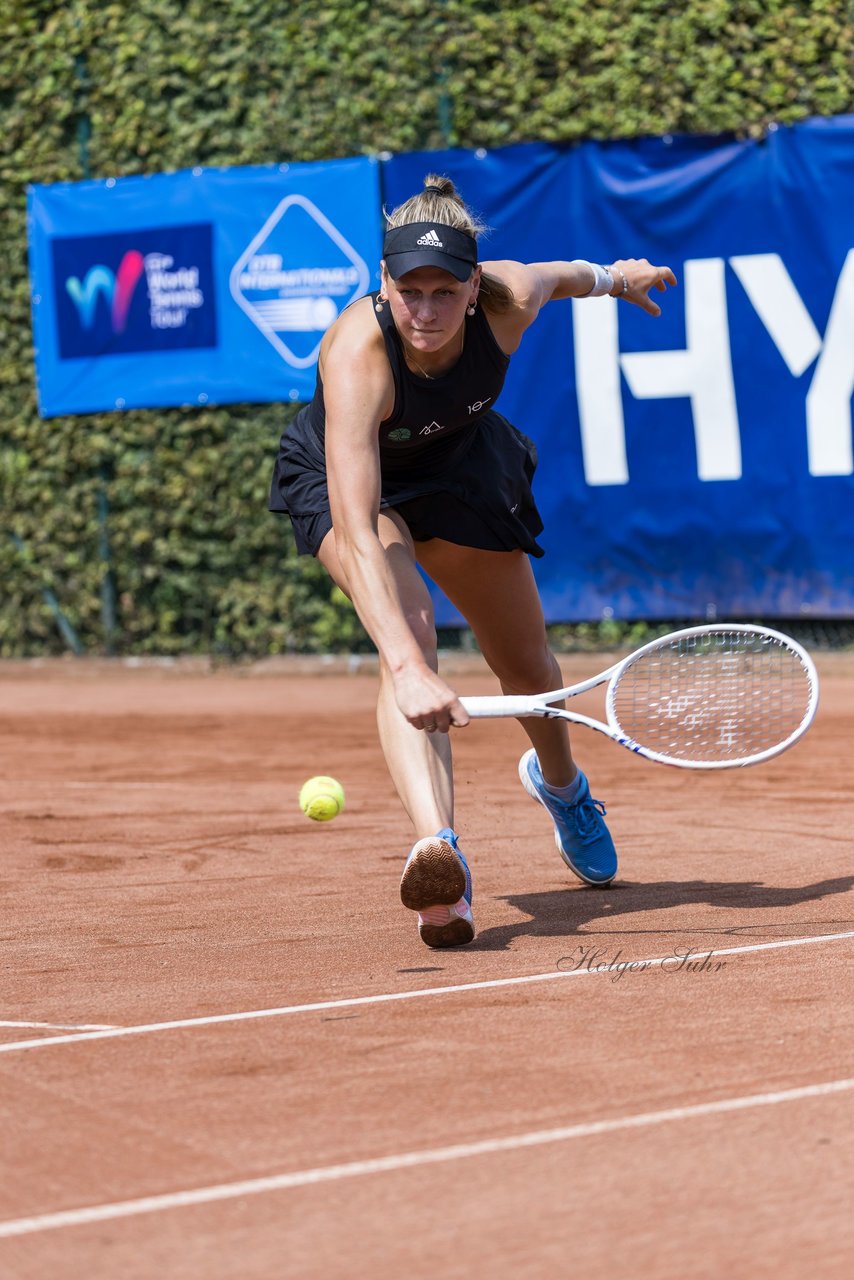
[201,287]
[698,465]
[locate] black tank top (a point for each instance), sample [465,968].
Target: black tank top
[431,416]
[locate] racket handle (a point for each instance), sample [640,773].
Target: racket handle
[479,708]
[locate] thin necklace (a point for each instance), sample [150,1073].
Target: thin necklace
[430,376]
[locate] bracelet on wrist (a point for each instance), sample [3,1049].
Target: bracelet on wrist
[623,282]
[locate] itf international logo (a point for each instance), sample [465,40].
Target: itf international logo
[132,291]
[295,277]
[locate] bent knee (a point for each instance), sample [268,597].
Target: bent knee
[527,671]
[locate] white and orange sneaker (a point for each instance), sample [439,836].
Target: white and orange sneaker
[436,883]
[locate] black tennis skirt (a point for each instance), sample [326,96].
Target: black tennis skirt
[475,489]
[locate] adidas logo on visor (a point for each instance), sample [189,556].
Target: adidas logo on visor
[430,240]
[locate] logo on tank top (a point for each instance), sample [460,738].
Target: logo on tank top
[432,428]
[400,433]
[430,240]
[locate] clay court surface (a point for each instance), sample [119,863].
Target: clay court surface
[529,1107]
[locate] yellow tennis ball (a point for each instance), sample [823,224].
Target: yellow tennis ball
[321,799]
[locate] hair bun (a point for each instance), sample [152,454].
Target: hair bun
[438,184]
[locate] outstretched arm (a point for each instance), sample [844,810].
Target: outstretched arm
[536,283]
[630,279]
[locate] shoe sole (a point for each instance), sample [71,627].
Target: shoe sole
[434,876]
[525,779]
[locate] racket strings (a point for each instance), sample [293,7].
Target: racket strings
[721,696]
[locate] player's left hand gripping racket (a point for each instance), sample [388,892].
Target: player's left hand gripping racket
[711,697]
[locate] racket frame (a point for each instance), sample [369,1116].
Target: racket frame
[539,704]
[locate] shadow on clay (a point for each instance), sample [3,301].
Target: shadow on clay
[591,912]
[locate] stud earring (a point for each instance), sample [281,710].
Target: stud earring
[472,307]
[380,303]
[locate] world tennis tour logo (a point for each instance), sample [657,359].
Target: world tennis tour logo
[148,290]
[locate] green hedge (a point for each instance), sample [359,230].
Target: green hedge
[156,85]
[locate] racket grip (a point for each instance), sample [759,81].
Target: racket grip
[480,708]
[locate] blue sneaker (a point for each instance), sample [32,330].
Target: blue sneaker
[582,839]
[436,883]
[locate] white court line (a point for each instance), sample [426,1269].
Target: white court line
[64,1026]
[388,997]
[406,1160]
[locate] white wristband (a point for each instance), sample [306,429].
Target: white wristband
[603,281]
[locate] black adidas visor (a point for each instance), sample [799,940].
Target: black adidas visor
[429,244]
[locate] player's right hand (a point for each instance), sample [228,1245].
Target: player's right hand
[427,702]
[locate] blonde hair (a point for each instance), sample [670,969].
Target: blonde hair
[445,206]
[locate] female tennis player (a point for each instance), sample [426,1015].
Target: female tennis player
[401,460]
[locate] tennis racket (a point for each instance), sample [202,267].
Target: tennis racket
[711,697]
